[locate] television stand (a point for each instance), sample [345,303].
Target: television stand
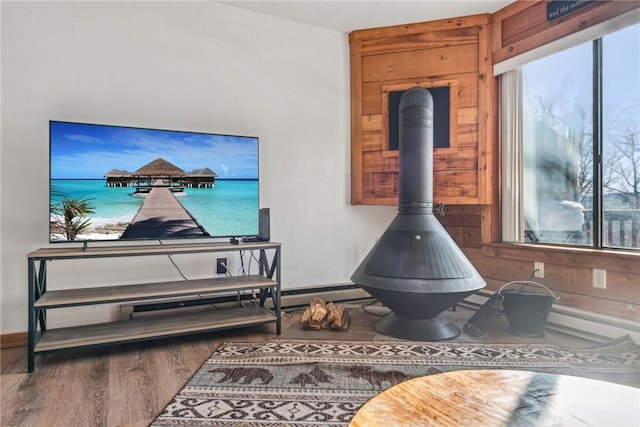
[41,299]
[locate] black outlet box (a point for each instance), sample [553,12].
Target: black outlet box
[220,265]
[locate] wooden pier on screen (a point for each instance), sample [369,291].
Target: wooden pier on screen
[162,215]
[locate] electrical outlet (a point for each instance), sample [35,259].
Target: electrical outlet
[599,278]
[220,265]
[539,269]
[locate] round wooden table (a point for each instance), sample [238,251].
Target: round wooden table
[501,398]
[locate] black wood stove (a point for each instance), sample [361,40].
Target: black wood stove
[416,269]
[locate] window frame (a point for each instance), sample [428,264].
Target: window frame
[511,143]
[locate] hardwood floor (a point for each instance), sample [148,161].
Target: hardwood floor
[128,385]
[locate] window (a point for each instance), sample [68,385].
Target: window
[580,136]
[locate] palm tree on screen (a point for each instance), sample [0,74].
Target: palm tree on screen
[71,216]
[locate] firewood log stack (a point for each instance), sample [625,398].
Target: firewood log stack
[320,315]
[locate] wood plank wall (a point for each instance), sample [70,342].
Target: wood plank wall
[452,52]
[466,176]
[522,25]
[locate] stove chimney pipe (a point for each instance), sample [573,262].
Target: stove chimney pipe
[415,176]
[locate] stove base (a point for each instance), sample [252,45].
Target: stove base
[432,329]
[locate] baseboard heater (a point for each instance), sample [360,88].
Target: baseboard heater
[291,298]
[583,324]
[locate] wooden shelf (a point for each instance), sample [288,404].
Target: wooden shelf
[158,324]
[152,327]
[144,250]
[109,294]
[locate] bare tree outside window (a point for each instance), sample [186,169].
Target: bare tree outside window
[559,151]
[621,133]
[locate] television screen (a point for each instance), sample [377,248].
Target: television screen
[119,183]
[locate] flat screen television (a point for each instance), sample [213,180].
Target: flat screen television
[124,183]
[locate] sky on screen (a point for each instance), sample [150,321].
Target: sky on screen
[86,151]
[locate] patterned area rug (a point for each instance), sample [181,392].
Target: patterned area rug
[319,383]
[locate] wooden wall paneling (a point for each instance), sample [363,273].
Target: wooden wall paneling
[468,221]
[503,270]
[498,272]
[492,219]
[419,27]
[464,158]
[381,188]
[467,134]
[467,216]
[524,27]
[370,141]
[489,141]
[463,223]
[569,257]
[620,286]
[468,237]
[524,24]
[569,273]
[419,41]
[427,54]
[385,120]
[374,162]
[496,30]
[455,185]
[356,122]
[509,10]
[467,87]
[472,253]
[371,103]
[468,116]
[443,61]
[468,210]
[493,284]
[571,280]
[595,259]
[488,147]
[371,122]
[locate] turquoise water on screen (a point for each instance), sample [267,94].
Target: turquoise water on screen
[228,209]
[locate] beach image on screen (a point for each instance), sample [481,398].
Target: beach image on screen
[121,183]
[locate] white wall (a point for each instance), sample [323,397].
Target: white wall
[196,66]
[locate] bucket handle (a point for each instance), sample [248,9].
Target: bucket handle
[525,283]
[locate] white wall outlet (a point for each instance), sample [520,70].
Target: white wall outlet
[599,278]
[538,269]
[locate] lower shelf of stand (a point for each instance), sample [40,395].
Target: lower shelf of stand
[152,327]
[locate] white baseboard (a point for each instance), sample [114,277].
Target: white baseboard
[597,327]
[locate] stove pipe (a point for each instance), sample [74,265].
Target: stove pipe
[415,268]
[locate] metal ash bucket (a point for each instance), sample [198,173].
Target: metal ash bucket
[526,312]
